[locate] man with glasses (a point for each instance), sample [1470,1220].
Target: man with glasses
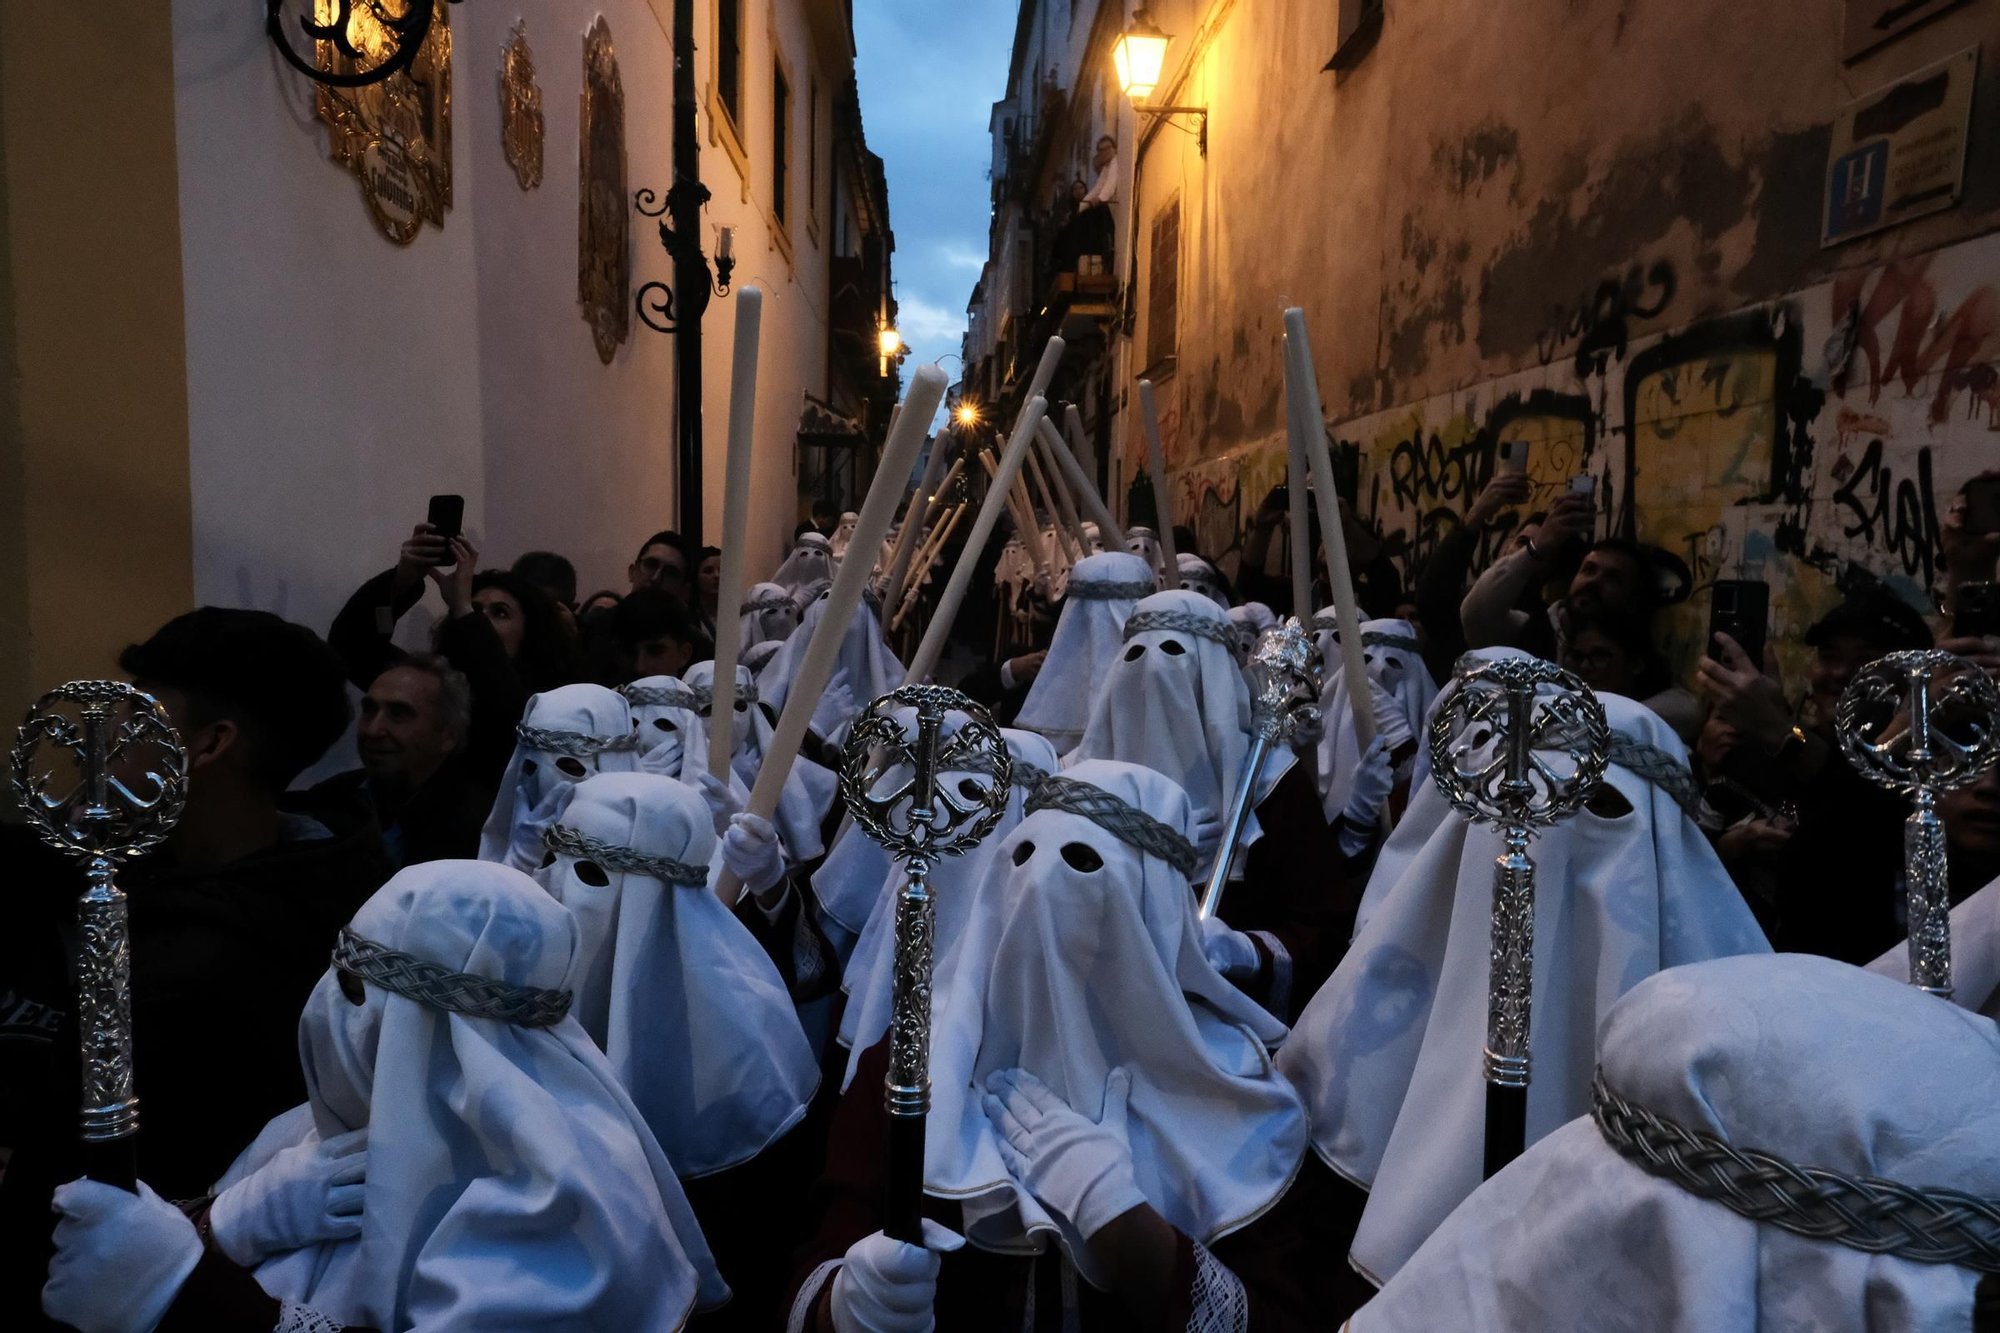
[662,562]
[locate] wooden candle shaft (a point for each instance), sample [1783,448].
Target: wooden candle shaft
[928,556]
[1024,521]
[1108,531]
[1033,468]
[922,505]
[912,517]
[1051,439]
[735,530]
[1156,467]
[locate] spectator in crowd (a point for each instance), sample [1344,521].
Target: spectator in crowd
[1971,818]
[825,517]
[601,600]
[1616,653]
[1971,547]
[430,781]
[1377,586]
[1834,874]
[1446,573]
[708,587]
[551,573]
[232,919]
[653,634]
[662,562]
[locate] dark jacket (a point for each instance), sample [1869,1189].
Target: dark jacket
[222,962]
[440,821]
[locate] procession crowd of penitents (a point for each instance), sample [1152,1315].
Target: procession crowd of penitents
[467,1039]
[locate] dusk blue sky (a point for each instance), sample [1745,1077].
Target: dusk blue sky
[929,73]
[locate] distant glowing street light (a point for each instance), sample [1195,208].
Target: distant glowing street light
[1138,56]
[888,340]
[968,415]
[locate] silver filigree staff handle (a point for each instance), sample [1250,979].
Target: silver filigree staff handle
[1521,744]
[1921,723]
[113,738]
[1284,672]
[917,821]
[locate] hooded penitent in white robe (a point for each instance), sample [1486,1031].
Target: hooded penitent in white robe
[1250,621]
[1145,543]
[1388,1053]
[809,787]
[1197,575]
[680,996]
[810,561]
[864,670]
[565,735]
[1090,633]
[512,1184]
[1802,1058]
[1400,693]
[843,533]
[768,613]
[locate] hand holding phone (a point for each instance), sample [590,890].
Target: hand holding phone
[1740,608]
[1513,458]
[446,519]
[1976,614]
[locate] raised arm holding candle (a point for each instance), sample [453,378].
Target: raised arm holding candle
[1156,467]
[899,455]
[1108,531]
[735,528]
[975,543]
[1302,390]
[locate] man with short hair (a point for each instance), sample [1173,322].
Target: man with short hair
[655,635]
[231,923]
[552,573]
[662,562]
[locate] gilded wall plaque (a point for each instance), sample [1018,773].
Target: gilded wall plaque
[395,136]
[521,109]
[603,231]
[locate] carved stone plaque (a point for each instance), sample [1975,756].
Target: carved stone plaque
[521,109]
[395,136]
[603,229]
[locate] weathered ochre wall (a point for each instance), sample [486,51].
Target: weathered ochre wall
[1492,220]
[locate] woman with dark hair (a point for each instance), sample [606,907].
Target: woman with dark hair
[539,645]
[707,587]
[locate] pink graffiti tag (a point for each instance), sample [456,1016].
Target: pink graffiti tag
[1966,342]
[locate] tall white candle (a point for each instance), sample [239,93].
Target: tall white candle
[975,543]
[1050,440]
[1033,468]
[735,529]
[1070,455]
[1156,465]
[1295,483]
[906,536]
[899,455]
[1302,383]
[1017,509]
[927,557]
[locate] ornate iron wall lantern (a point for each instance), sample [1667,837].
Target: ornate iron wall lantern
[409,29]
[656,299]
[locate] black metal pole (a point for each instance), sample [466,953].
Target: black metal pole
[691,278]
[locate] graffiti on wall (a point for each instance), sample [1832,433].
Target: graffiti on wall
[1814,442]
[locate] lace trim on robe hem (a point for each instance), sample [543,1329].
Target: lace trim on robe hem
[1217,1299]
[802,1305]
[294,1318]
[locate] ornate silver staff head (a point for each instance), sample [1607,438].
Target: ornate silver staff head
[101,773]
[1921,723]
[1519,743]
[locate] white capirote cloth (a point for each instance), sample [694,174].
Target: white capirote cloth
[1175,701]
[512,1183]
[678,994]
[1400,694]
[1090,634]
[768,613]
[1197,575]
[1070,972]
[871,970]
[1388,1053]
[1975,954]
[810,562]
[1145,543]
[843,533]
[863,671]
[809,786]
[585,719]
[1801,1057]
[1251,620]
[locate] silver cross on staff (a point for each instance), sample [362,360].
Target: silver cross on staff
[917,820]
[1921,723]
[112,737]
[1519,743]
[1284,673]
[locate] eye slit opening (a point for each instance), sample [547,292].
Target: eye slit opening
[530,767]
[351,987]
[970,790]
[592,874]
[1172,647]
[548,860]
[572,766]
[1082,856]
[662,724]
[1394,663]
[742,707]
[1135,652]
[1023,852]
[1607,802]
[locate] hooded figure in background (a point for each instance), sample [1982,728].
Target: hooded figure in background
[1250,621]
[1387,1053]
[565,735]
[843,534]
[768,613]
[810,787]
[1644,1214]
[1090,633]
[1198,575]
[811,561]
[1145,543]
[1400,690]
[864,670]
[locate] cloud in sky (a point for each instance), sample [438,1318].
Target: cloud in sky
[929,74]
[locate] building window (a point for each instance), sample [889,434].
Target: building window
[781,133]
[729,59]
[1163,285]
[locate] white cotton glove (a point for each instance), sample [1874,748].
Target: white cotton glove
[306,1194]
[888,1286]
[1076,1167]
[723,804]
[1207,836]
[750,850]
[1230,952]
[120,1258]
[1374,778]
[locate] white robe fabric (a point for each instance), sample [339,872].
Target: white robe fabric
[758,656]
[679,995]
[1145,543]
[1400,694]
[768,613]
[1177,703]
[1090,634]
[1069,974]
[1798,1056]
[1975,954]
[538,781]
[1251,620]
[870,979]
[1388,1052]
[843,534]
[811,561]
[809,786]
[1197,575]
[863,671]
[512,1184]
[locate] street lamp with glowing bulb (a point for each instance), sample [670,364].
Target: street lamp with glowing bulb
[1138,57]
